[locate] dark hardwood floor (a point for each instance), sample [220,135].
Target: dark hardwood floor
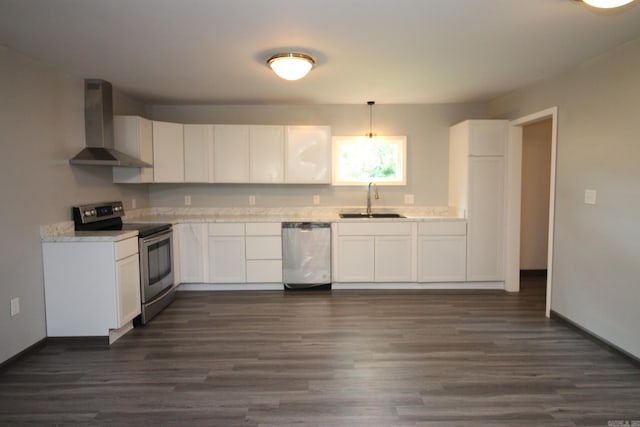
[341,358]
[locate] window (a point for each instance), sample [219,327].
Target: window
[358,160]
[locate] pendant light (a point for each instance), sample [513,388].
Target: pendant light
[291,66]
[370,135]
[606,4]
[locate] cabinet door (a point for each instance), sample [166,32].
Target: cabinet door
[355,259]
[128,289]
[308,154]
[193,253]
[198,153]
[168,152]
[442,258]
[231,153]
[393,259]
[266,153]
[264,271]
[226,259]
[133,135]
[485,219]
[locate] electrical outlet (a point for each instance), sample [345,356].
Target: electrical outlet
[316,199]
[409,199]
[187,200]
[15,306]
[252,200]
[133,203]
[590,197]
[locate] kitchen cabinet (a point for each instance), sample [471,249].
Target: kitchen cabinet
[308,154]
[374,251]
[193,252]
[442,251]
[355,259]
[133,135]
[231,153]
[266,154]
[91,287]
[168,152]
[198,153]
[226,253]
[476,188]
[264,252]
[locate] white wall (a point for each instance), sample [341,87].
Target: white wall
[426,128]
[41,127]
[534,223]
[596,247]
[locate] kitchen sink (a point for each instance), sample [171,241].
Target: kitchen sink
[373,215]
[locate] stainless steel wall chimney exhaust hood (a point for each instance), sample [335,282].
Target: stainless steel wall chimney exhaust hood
[98,122]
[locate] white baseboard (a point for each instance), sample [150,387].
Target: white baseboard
[339,286]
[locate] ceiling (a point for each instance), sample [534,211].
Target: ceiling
[390,51]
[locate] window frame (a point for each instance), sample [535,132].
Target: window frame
[401,162]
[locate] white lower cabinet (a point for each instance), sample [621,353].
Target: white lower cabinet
[442,252]
[193,250]
[227,253]
[356,256]
[394,258]
[375,252]
[264,252]
[230,252]
[91,287]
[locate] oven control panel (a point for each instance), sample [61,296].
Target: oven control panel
[86,214]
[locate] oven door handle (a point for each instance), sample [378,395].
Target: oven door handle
[150,240]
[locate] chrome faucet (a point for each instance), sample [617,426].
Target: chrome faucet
[376,196]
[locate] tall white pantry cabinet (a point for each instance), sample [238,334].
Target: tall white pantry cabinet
[476,189]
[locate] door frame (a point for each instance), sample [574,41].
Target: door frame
[513,199]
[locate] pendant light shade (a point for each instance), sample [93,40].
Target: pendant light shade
[371,135]
[607,4]
[291,66]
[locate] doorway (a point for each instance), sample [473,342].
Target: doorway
[514,200]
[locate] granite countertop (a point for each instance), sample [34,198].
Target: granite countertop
[64,232]
[90,236]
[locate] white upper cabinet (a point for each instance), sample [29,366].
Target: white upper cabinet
[308,154]
[231,153]
[266,153]
[133,135]
[168,152]
[198,153]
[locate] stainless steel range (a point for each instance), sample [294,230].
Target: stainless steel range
[155,243]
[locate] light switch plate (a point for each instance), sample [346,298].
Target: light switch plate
[187,200]
[590,197]
[409,199]
[316,199]
[252,200]
[15,306]
[133,203]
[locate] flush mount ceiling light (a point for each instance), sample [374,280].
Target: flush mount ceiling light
[606,4]
[291,66]
[370,135]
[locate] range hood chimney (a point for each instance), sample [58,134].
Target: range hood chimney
[98,123]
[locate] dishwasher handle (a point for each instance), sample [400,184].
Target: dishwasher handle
[306,225]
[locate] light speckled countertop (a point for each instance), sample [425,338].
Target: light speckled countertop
[63,232]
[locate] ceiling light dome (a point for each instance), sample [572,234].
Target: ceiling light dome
[607,4]
[291,66]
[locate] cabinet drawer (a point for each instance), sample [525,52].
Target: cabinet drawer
[264,228]
[125,248]
[264,271]
[226,229]
[373,228]
[444,228]
[264,247]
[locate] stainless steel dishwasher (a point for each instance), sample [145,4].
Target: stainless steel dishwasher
[306,254]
